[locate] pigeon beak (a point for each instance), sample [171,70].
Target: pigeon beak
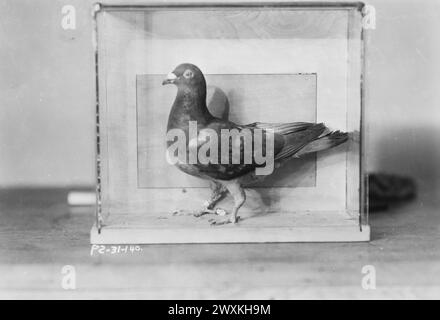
[171,77]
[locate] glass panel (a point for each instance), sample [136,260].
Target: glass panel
[271,64]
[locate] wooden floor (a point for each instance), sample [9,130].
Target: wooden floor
[39,234]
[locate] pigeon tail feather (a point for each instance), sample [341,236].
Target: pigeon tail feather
[282,128]
[297,140]
[328,141]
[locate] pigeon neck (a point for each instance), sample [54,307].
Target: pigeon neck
[191,103]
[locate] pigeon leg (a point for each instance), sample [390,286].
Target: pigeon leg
[218,193]
[239,195]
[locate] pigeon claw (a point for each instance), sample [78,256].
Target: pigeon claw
[220,222]
[181,212]
[198,214]
[217,211]
[202,213]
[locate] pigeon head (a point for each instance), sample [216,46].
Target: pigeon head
[186,75]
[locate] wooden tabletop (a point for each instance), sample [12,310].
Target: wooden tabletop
[40,234]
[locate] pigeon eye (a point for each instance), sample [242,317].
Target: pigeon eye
[188,74]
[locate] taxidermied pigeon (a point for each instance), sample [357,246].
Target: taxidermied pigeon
[289,139]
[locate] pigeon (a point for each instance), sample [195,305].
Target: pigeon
[289,140]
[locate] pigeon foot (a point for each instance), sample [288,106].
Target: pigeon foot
[202,212]
[217,211]
[220,222]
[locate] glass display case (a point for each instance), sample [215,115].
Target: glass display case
[270,62]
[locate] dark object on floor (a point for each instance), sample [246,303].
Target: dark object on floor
[385,190]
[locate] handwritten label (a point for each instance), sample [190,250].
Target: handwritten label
[114,249]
